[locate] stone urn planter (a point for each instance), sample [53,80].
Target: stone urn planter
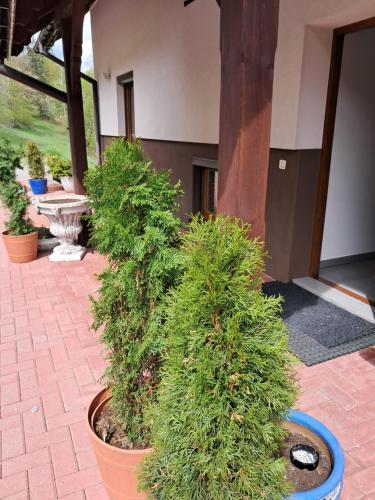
[118,467]
[64,213]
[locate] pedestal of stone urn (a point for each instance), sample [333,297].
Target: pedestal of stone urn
[64,213]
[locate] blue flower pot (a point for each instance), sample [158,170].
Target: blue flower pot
[331,488]
[38,186]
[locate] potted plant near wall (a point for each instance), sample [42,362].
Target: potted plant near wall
[34,160]
[221,424]
[61,170]
[20,237]
[134,225]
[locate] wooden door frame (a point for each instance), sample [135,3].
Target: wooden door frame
[328,133]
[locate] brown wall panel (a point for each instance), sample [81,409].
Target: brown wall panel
[280,207]
[307,189]
[291,197]
[177,157]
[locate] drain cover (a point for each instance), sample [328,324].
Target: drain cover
[304,456]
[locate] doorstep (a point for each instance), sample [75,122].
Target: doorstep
[338,298]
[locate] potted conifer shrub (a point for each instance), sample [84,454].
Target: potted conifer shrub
[134,225]
[34,159]
[20,237]
[220,424]
[61,170]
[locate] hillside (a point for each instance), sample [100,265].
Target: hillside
[46,134]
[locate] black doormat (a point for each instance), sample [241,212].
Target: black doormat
[319,330]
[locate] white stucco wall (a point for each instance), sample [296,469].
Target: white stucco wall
[174,53]
[302,67]
[349,225]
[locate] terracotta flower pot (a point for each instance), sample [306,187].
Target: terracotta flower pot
[23,248]
[119,468]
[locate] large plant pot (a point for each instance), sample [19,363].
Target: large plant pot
[119,468]
[67,184]
[23,248]
[331,488]
[38,186]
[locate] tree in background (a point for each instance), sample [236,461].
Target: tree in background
[5,112]
[88,109]
[20,105]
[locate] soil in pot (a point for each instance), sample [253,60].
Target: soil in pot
[109,430]
[304,479]
[118,466]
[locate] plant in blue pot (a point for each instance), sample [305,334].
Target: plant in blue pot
[221,425]
[34,159]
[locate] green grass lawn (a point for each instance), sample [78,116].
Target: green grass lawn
[47,135]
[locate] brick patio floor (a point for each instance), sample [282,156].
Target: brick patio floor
[50,367]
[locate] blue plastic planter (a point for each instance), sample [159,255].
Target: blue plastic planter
[38,186]
[331,488]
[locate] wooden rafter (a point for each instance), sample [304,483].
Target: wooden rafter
[31,16]
[33,83]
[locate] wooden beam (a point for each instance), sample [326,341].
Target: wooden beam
[72,27]
[248,43]
[35,84]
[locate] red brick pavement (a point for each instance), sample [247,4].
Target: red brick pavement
[51,363]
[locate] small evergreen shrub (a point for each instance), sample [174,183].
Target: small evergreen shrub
[133,223]
[58,167]
[10,158]
[11,193]
[34,161]
[227,381]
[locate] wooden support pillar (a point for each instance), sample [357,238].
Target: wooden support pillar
[248,43]
[72,26]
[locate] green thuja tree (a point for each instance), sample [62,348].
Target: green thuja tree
[11,193]
[227,381]
[133,223]
[34,161]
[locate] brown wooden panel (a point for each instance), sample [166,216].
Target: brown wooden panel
[248,43]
